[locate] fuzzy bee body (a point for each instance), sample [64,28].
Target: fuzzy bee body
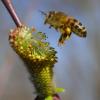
[65,24]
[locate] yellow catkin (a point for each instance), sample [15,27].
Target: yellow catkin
[38,56]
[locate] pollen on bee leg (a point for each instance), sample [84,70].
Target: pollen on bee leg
[68,30]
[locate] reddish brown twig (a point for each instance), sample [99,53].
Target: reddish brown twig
[10,8]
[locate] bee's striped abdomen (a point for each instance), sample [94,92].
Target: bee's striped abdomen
[77,27]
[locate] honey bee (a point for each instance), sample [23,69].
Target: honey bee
[65,24]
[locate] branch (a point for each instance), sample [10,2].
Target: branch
[10,8]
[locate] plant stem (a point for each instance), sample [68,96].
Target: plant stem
[10,8]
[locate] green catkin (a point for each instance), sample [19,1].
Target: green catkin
[38,56]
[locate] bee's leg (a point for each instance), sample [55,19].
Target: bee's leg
[63,37]
[62,29]
[56,28]
[50,26]
[45,22]
[68,33]
[68,36]
[61,40]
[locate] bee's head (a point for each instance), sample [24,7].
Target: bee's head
[49,17]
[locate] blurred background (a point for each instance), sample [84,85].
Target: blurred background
[78,67]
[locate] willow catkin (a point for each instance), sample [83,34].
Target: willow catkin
[38,56]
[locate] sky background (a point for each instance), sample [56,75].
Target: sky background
[78,66]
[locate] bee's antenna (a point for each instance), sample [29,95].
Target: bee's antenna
[42,12]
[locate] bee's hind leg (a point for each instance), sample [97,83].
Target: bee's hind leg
[61,40]
[63,37]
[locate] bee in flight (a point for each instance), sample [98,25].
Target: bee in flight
[65,24]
